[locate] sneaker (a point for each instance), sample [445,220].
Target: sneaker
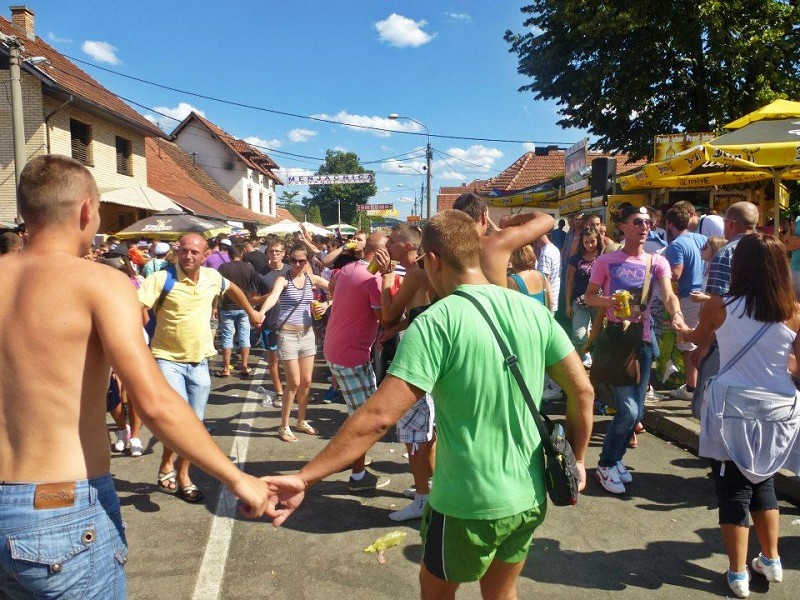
[123,438]
[330,395]
[551,392]
[609,479]
[739,583]
[411,492]
[624,475]
[413,510]
[769,568]
[368,482]
[587,360]
[136,447]
[652,396]
[682,393]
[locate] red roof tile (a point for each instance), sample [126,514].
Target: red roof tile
[250,155]
[172,172]
[527,171]
[69,78]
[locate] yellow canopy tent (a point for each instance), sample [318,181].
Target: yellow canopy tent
[764,145]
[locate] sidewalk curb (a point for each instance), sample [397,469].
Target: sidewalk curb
[685,432]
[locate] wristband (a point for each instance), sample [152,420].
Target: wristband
[675,314]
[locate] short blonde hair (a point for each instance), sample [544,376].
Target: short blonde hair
[523,259]
[451,235]
[51,185]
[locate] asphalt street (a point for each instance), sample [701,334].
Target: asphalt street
[661,539]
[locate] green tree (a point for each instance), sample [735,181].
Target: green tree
[327,197]
[314,216]
[289,201]
[627,71]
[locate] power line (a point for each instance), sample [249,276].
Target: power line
[307,117]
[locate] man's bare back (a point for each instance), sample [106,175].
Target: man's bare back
[53,372]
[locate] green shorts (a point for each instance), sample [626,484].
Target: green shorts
[462,549]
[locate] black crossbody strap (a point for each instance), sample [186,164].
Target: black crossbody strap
[513,364]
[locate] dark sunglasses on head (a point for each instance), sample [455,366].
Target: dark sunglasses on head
[298,261]
[638,221]
[420,261]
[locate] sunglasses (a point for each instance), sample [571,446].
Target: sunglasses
[420,261]
[638,221]
[298,261]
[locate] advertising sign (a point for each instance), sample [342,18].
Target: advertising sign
[668,145]
[337,179]
[575,171]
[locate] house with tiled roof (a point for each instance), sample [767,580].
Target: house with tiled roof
[239,168]
[175,174]
[529,170]
[65,111]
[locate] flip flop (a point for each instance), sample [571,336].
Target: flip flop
[222,374]
[167,482]
[285,434]
[305,427]
[190,493]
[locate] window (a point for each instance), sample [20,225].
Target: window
[261,207]
[81,136]
[249,198]
[123,156]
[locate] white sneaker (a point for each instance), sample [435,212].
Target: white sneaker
[123,438]
[624,475]
[609,479]
[739,583]
[136,447]
[773,572]
[411,492]
[413,510]
[587,360]
[551,392]
[682,393]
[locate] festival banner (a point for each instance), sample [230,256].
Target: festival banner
[336,179]
[575,163]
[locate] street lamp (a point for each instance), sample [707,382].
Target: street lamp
[413,191]
[428,154]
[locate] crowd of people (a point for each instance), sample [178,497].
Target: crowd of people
[403,347]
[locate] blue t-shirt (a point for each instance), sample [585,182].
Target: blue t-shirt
[796,253]
[685,250]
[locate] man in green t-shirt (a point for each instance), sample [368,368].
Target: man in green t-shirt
[489,492]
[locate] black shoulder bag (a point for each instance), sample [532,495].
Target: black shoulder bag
[561,469]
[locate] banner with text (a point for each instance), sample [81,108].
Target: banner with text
[667,145]
[374,206]
[575,162]
[337,179]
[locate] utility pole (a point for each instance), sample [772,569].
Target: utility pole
[17,120]
[428,158]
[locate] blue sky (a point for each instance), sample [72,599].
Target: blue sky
[443,63]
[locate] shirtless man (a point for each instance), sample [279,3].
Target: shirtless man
[64,322]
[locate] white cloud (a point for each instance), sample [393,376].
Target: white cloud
[58,40]
[285,172]
[459,16]
[529,146]
[262,144]
[101,51]
[472,158]
[341,149]
[405,167]
[451,176]
[401,31]
[170,117]
[301,135]
[358,122]
[406,200]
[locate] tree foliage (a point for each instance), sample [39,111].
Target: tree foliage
[289,201]
[314,215]
[327,197]
[627,71]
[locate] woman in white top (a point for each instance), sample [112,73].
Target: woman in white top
[756,326]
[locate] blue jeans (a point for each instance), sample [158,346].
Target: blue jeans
[231,321]
[191,380]
[582,317]
[630,409]
[74,552]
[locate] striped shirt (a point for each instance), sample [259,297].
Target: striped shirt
[719,272]
[292,297]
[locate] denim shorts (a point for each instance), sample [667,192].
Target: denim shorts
[191,380]
[231,321]
[77,552]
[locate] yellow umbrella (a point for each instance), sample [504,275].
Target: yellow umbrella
[779,109]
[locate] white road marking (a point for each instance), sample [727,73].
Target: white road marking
[212,569]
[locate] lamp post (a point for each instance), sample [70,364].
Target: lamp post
[428,155]
[413,191]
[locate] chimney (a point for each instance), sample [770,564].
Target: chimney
[22,18]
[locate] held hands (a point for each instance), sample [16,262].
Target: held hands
[253,495]
[286,494]
[256,318]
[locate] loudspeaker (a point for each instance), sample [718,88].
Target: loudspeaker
[604,176]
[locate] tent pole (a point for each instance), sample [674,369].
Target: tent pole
[776,180]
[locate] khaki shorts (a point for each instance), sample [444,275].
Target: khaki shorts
[691,316]
[296,344]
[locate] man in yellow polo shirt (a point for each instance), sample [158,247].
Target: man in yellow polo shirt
[182,341]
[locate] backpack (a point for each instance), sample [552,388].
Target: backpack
[169,283]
